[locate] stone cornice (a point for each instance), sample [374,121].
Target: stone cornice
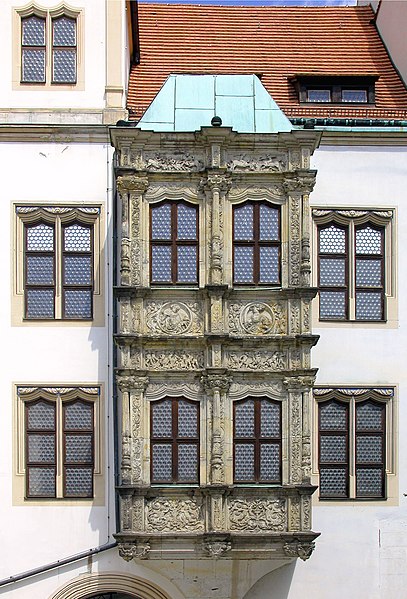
[43,133]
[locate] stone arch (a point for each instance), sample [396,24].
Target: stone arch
[87,585]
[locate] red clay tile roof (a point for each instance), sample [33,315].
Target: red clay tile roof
[277,42]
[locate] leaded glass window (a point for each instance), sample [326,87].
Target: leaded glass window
[256,244]
[174,244]
[257,441]
[369,272]
[77,268]
[40,418]
[370,449]
[333,272]
[174,441]
[64,50]
[33,49]
[40,271]
[78,449]
[334,449]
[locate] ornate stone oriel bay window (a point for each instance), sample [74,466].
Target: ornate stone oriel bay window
[213,334]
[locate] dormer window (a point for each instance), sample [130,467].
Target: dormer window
[336,90]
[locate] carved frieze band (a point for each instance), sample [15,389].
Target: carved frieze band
[257,360]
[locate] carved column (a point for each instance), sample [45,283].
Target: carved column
[294,389]
[307,183]
[307,383]
[131,189]
[139,384]
[124,384]
[218,185]
[291,186]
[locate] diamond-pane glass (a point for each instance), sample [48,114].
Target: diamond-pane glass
[40,303]
[369,417]
[244,419]
[161,263]
[187,419]
[33,66]
[187,462]
[77,238]
[332,240]
[78,303]
[333,448]
[40,270]
[269,265]
[368,273]
[354,95]
[269,419]
[332,304]
[187,271]
[77,270]
[78,416]
[332,416]
[243,223]
[41,416]
[41,482]
[40,238]
[319,95]
[368,241]
[332,482]
[243,266]
[369,482]
[269,228]
[33,29]
[78,448]
[369,306]
[64,66]
[161,414]
[244,462]
[186,222]
[64,30]
[270,462]
[162,462]
[78,482]
[161,222]
[332,272]
[369,449]
[41,448]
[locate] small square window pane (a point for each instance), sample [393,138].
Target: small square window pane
[41,448]
[78,482]
[33,29]
[332,482]
[369,417]
[77,270]
[78,303]
[162,462]
[41,416]
[244,419]
[244,462]
[187,265]
[40,270]
[270,462]
[332,272]
[77,238]
[243,223]
[332,305]
[161,415]
[187,419]
[269,265]
[368,241]
[40,303]
[40,238]
[161,257]
[243,264]
[332,240]
[64,66]
[186,222]
[318,95]
[41,482]
[79,449]
[369,305]
[187,463]
[269,223]
[33,66]
[161,222]
[64,31]
[354,95]
[333,449]
[369,482]
[332,416]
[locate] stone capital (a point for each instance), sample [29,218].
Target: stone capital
[216,382]
[131,383]
[217,182]
[131,184]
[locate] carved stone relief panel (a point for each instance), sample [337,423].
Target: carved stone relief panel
[173,318]
[246,162]
[171,359]
[257,318]
[174,160]
[173,514]
[257,515]
[253,360]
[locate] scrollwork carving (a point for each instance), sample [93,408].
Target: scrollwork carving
[257,515]
[173,515]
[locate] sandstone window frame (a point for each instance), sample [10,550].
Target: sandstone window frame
[49,16]
[59,216]
[351,220]
[59,397]
[351,398]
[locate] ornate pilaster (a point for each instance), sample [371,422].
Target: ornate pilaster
[294,389]
[136,415]
[291,186]
[217,386]
[124,383]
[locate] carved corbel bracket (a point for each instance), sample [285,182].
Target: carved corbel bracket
[298,383]
[137,550]
[127,383]
[216,547]
[216,382]
[131,184]
[301,549]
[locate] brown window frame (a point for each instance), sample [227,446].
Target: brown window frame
[175,441]
[34,254]
[256,243]
[334,433]
[70,287]
[370,257]
[327,256]
[78,433]
[336,86]
[371,433]
[72,49]
[257,441]
[25,47]
[39,431]
[174,243]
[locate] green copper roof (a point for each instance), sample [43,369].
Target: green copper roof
[189,102]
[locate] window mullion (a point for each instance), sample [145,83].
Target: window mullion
[59,447]
[174,440]
[58,268]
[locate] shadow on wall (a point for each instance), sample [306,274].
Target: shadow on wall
[275,585]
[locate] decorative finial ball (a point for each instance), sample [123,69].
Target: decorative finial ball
[216,121]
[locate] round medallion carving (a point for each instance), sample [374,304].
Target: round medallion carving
[257,319]
[174,318]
